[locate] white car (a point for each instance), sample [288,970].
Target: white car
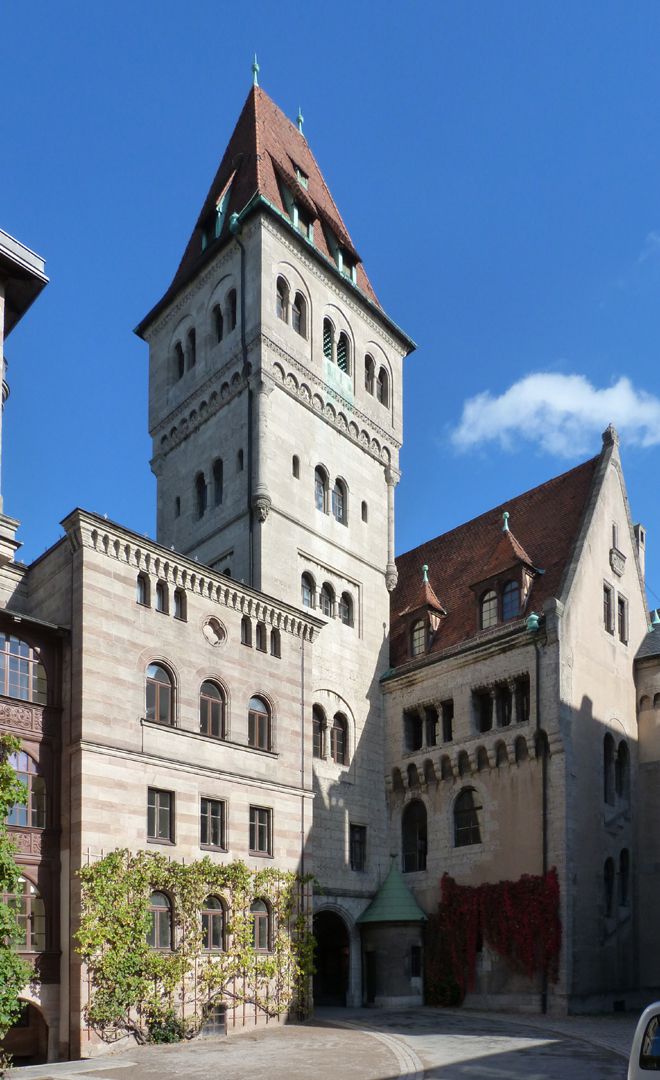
[645,1053]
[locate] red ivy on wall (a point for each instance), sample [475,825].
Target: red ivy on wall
[519,920]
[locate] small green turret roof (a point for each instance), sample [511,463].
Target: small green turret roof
[393,902]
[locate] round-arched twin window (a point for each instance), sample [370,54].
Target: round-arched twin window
[160,695]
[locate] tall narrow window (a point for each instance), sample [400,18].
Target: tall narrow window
[179,360]
[295,467]
[30,914]
[159,934]
[299,315]
[608,769]
[22,675]
[261,840]
[358,846]
[369,373]
[413,837]
[262,637]
[318,732]
[624,878]
[31,814]
[488,608]
[180,605]
[259,724]
[200,495]
[327,601]
[162,597]
[239,461]
[622,619]
[328,339]
[192,348]
[383,387]
[345,609]
[608,614]
[418,638]
[365,511]
[261,932]
[622,771]
[246,631]
[213,925]
[142,590]
[344,353]
[218,481]
[308,590]
[339,740]
[466,819]
[231,309]
[321,489]
[177,506]
[282,300]
[160,694]
[218,323]
[160,815]
[510,600]
[608,888]
[275,643]
[211,710]
[212,823]
[340,502]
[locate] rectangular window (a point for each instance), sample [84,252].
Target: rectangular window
[358,846]
[608,620]
[447,721]
[622,619]
[261,831]
[212,821]
[160,815]
[415,961]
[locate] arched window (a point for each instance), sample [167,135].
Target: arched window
[340,502]
[308,590]
[345,609]
[365,511]
[180,605]
[321,489]
[282,300]
[259,724]
[488,609]
[142,589]
[231,309]
[463,763]
[369,373]
[644,703]
[22,675]
[246,631]
[213,925]
[218,481]
[520,749]
[339,740]
[622,771]
[162,597]
[327,600]
[218,323]
[608,769]
[446,770]
[262,637]
[319,726]
[211,710]
[413,837]
[200,495]
[192,348]
[510,600]
[261,928]
[160,695]
[466,819]
[656,701]
[383,387]
[344,353]
[31,814]
[30,914]
[482,759]
[418,638]
[501,756]
[624,878]
[299,315]
[328,339]
[159,934]
[275,642]
[295,467]
[608,887]
[179,360]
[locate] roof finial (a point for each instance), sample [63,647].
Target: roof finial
[425,572]
[300,119]
[505,519]
[255,71]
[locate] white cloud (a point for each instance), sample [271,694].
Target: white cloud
[651,246]
[563,414]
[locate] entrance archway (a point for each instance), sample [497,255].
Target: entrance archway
[27,1040]
[331,959]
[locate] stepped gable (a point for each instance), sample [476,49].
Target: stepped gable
[546,519]
[265,144]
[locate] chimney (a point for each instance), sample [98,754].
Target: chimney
[640,538]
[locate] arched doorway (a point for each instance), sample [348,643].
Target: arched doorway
[331,959]
[27,1040]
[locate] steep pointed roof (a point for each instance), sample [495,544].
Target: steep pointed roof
[547,521]
[265,151]
[506,553]
[393,902]
[424,597]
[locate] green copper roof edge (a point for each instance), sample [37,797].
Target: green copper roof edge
[393,903]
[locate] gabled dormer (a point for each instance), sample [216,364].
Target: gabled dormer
[422,617]
[503,588]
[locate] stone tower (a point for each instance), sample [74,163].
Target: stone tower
[275,408]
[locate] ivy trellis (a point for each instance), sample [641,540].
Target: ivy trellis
[166,994]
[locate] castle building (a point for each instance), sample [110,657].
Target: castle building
[232,687]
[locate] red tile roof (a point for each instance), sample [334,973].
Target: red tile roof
[265,143]
[546,519]
[505,554]
[423,597]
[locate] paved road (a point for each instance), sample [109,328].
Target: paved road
[370,1044]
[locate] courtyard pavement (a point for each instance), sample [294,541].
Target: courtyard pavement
[374,1044]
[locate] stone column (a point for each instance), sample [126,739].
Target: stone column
[391,575]
[514,701]
[261,500]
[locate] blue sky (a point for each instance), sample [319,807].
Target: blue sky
[496,164]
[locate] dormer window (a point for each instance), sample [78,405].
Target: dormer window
[488,609]
[418,638]
[510,601]
[302,178]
